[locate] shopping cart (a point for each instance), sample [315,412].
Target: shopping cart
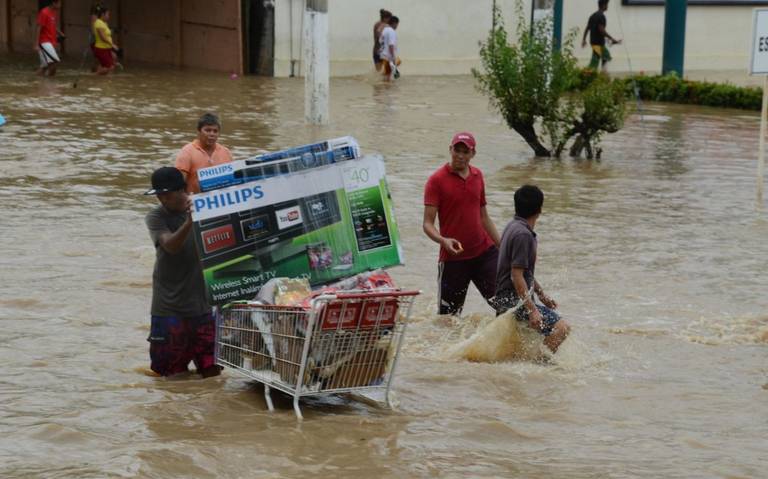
[344,342]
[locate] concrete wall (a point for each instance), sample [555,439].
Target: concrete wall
[23,15]
[717,37]
[211,35]
[441,36]
[194,33]
[4,26]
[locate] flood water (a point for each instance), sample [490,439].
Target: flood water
[656,254]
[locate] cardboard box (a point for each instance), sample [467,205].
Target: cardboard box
[323,224]
[283,162]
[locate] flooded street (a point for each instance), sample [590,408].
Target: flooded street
[656,254]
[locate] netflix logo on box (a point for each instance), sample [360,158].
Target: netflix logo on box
[218,238]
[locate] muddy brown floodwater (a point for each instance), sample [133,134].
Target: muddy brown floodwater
[657,255]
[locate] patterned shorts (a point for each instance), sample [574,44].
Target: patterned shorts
[175,341]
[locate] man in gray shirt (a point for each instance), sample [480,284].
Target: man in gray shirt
[183,328]
[515,273]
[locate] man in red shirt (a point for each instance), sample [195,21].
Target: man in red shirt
[46,33]
[455,195]
[203,152]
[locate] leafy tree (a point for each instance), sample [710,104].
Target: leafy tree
[533,85]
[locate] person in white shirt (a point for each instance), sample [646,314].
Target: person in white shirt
[388,53]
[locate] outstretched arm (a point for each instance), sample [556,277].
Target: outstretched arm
[451,245]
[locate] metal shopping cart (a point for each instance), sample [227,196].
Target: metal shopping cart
[344,342]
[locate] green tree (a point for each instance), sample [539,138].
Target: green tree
[533,86]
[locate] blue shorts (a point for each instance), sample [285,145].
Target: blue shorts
[549,317]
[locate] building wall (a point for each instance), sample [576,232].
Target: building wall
[211,35]
[193,33]
[441,36]
[23,15]
[4,33]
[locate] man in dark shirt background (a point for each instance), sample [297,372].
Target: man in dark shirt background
[597,35]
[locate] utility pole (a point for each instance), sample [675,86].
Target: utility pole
[317,61]
[674,36]
[557,25]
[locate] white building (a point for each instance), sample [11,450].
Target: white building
[440,37]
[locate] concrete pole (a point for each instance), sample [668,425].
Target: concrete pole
[317,62]
[674,36]
[557,27]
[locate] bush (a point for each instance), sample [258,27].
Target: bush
[672,88]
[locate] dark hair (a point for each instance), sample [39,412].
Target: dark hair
[208,119]
[393,20]
[528,201]
[101,10]
[96,9]
[384,15]
[602,3]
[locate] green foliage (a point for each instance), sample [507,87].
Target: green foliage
[533,86]
[603,111]
[672,88]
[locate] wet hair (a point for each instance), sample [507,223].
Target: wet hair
[602,3]
[208,119]
[528,201]
[385,15]
[393,20]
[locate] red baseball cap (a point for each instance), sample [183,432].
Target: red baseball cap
[464,137]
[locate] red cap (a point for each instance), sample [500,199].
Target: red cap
[464,137]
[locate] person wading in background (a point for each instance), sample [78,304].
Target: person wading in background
[203,152]
[384,16]
[47,36]
[389,61]
[597,35]
[455,195]
[104,47]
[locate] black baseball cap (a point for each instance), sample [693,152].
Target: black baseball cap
[166,179]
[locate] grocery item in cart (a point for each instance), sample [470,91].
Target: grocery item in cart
[285,292]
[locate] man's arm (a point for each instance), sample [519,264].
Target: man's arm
[451,245]
[584,37]
[521,289]
[173,242]
[489,227]
[601,28]
[183,163]
[546,300]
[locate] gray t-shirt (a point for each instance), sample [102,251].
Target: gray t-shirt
[178,288]
[517,249]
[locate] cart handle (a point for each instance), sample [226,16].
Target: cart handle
[377,294]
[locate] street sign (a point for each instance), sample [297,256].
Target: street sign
[759,63]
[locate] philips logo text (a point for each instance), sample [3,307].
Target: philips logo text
[228,198]
[215,171]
